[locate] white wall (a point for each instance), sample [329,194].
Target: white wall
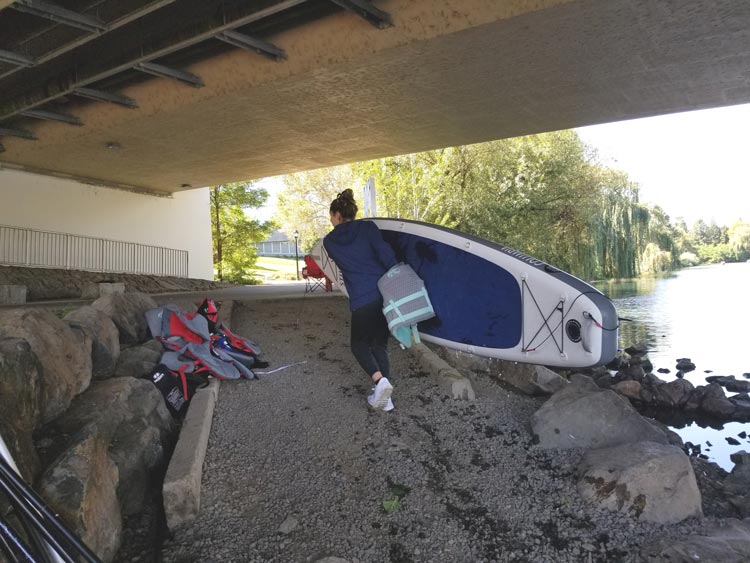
[52,204]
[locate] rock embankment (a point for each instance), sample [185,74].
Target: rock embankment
[84,427]
[44,284]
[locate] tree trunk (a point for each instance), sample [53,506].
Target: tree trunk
[217,233]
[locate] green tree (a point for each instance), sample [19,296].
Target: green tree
[700,232]
[542,194]
[304,202]
[412,186]
[715,253]
[621,226]
[233,233]
[524,193]
[739,240]
[683,239]
[713,234]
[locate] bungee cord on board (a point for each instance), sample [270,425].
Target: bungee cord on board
[560,307]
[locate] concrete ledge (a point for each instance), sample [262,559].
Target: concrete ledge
[182,483]
[461,387]
[12,294]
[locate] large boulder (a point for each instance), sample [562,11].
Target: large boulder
[696,398]
[20,403]
[527,378]
[463,361]
[741,404]
[138,361]
[128,312]
[64,355]
[80,486]
[727,541]
[649,481]
[139,453]
[716,403]
[130,417]
[673,394]
[737,484]
[629,388]
[730,383]
[583,416]
[104,335]
[632,372]
[530,379]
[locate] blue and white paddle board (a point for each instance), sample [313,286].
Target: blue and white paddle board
[493,301]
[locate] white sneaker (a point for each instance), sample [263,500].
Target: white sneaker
[380,398]
[389,406]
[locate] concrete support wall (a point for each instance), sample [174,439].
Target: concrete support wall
[52,204]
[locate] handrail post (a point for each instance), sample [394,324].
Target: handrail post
[27,257]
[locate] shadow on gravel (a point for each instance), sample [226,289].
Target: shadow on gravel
[299,469]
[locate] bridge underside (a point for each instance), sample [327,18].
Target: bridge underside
[340,87]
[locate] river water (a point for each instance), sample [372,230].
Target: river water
[701,313]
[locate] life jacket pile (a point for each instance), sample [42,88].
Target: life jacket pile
[197,346]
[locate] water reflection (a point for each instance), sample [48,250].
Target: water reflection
[698,313]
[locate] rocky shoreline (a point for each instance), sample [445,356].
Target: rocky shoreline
[523,465]
[635,380]
[299,470]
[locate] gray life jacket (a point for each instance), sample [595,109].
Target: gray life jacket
[405,303]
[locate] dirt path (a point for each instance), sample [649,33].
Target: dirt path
[298,468]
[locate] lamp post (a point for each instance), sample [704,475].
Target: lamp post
[296,253]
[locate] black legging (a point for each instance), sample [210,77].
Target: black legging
[369,339]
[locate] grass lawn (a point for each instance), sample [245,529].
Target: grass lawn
[270,268]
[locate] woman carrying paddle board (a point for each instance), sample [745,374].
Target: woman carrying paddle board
[360,252]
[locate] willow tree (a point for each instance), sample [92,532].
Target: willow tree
[739,240]
[530,193]
[620,226]
[540,194]
[661,253]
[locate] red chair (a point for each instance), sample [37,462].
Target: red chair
[314,276]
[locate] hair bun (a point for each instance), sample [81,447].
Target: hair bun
[345,204]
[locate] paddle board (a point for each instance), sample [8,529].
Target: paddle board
[493,301]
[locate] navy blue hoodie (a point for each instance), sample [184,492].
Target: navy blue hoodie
[363,257]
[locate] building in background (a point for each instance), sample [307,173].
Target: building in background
[59,223]
[278,244]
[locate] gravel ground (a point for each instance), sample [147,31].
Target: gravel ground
[298,468]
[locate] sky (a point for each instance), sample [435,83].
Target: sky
[694,165]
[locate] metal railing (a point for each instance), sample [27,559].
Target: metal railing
[20,246]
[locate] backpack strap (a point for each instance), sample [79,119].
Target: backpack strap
[183,379]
